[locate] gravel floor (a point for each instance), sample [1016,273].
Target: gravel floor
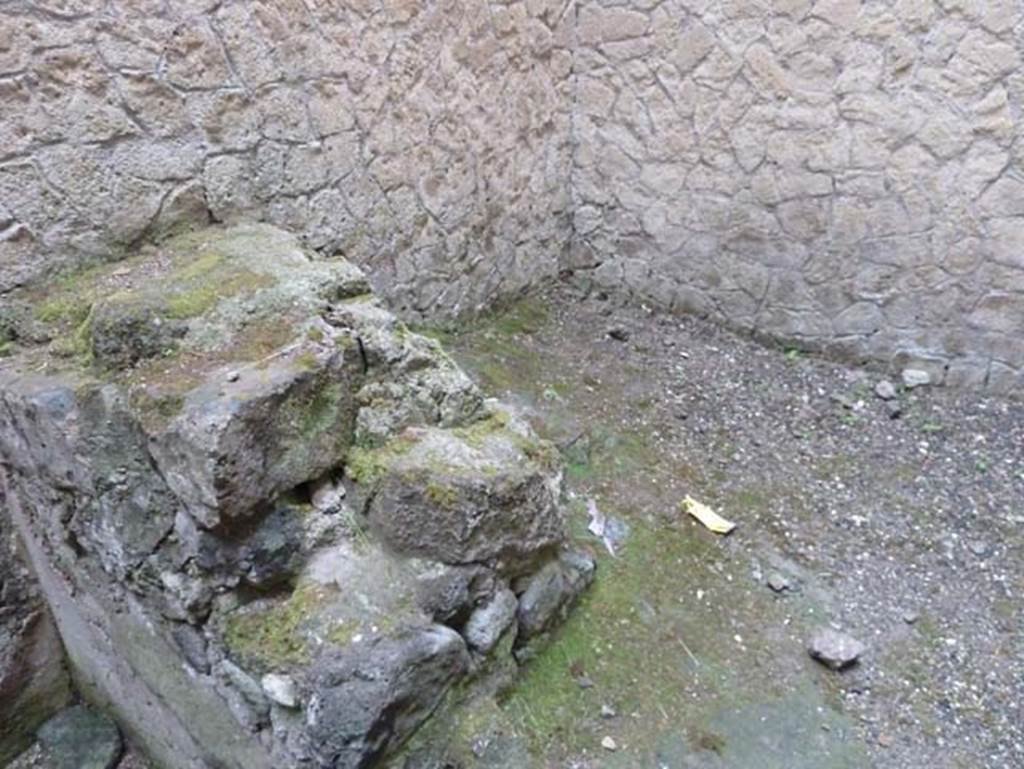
[906,532]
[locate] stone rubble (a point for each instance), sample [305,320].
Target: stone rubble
[288,567]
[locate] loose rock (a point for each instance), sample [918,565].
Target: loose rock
[489,622]
[619,334]
[327,496]
[280,689]
[834,649]
[885,390]
[913,377]
[551,591]
[778,582]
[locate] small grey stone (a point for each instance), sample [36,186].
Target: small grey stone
[834,649]
[81,738]
[618,333]
[551,591]
[915,377]
[280,689]
[981,548]
[894,409]
[778,582]
[448,596]
[607,711]
[488,622]
[232,376]
[327,496]
[885,390]
[910,617]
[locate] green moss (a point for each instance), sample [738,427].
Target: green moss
[307,361]
[367,466]
[66,307]
[478,432]
[315,334]
[442,495]
[613,454]
[342,633]
[497,424]
[71,295]
[201,266]
[526,316]
[604,637]
[322,413]
[196,295]
[157,410]
[273,637]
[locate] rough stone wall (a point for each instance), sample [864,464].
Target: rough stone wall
[847,175]
[426,141]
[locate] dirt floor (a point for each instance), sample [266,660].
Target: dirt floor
[906,533]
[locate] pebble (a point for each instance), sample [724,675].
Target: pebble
[910,617]
[834,649]
[618,333]
[607,711]
[778,582]
[609,744]
[232,376]
[915,377]
[327,496]
[981,549]
[885,390]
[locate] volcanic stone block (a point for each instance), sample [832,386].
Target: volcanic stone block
[485,493]
[367,695]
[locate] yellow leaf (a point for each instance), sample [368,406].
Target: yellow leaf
[712,520]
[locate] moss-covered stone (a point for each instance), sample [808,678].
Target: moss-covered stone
[272,636]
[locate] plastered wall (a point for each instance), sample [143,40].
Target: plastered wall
[840,175]
[843,175]
[426,140]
